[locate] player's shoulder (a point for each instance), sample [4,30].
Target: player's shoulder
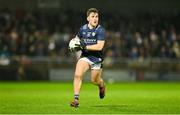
[83,27]
[100,27]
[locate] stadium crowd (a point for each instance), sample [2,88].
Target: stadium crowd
[43,33]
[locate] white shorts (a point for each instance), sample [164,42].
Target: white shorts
[92,64]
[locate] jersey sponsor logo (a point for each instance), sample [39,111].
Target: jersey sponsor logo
[90,40]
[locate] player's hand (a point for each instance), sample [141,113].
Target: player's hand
[71,49]
[80,46]
[77,48]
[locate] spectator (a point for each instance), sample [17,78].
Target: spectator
[46,33]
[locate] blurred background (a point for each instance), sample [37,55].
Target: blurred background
[142,39]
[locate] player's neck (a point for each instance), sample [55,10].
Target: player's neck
[91,27]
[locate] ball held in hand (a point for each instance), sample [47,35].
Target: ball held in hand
[73,43]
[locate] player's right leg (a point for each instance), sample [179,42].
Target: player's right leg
[96,78]
[81,67]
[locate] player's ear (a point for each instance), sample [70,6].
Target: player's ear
[88,18]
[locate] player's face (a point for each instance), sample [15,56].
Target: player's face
[93,19]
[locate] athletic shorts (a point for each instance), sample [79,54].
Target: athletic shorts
[93,65]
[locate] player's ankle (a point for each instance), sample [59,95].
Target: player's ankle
[76,97]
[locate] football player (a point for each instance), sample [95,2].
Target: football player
[92,40]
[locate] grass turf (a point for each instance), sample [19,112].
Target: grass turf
[54,98]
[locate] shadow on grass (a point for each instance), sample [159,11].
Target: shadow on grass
[111,106]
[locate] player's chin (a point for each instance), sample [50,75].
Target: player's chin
[95,24]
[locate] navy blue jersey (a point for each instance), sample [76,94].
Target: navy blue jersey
[90,37]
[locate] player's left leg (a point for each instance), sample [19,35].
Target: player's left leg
[96,78]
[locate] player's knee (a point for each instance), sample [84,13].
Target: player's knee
[94,81]
[77,76]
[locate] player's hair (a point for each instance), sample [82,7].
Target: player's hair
[94,10]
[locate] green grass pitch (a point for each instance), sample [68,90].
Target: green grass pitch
[121,98]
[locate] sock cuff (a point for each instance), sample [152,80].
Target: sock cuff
[76,96]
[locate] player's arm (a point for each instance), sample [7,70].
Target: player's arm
[100,41]
[97,47]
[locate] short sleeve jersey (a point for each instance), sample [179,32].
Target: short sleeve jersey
[90,37]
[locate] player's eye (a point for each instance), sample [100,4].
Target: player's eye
[92,16]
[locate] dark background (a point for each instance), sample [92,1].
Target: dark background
[141,35]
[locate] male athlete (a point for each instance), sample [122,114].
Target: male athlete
[92,37]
